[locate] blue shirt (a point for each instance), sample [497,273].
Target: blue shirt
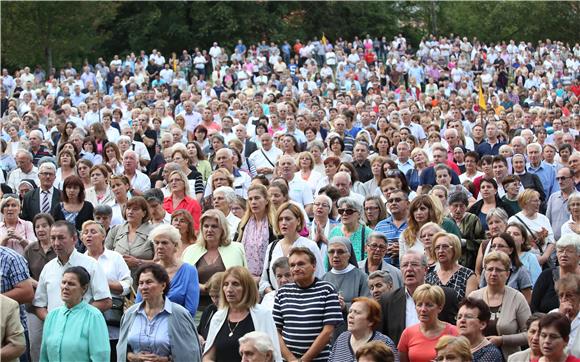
[547,175]
[183,288]
[13,271]
[388,228]
[151,335]
[405,166]
[486,149]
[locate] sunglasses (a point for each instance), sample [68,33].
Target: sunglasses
[346,211]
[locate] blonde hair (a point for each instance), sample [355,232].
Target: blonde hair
[458,344]
[222,223]
[526,196]
[428,292]
[497,256]
[310,157]
[182,177]
[295,210]
[453,240]
[270,210]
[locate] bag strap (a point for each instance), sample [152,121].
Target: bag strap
[272,246]
[362,243]
[532,234]
[267,159]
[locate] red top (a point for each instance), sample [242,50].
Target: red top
[188,204]
[569,359]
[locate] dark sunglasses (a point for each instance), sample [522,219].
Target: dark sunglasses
[346,211]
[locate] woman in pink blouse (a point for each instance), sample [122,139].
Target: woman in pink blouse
[15,233]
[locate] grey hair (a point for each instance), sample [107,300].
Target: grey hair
[341,173]
[101,209]
[36,132]
[537,146]
[281,262]
[316,143]
[569,240]
[383,274]
[521,139]
[131,152]
[25,152]
[47,165]
[168,231]
[260,340]
[326,199]
[228,193]
[497,212]
[418,253]
[350,202]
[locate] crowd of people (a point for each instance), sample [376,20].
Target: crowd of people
[360,200]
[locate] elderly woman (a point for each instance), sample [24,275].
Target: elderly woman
[40,252]
[290,221]
[256,229]
[374,211]
[306,170]
[496,220]
[376,249]
[323,223]
[509,309]
[256,346]
[120,186]
[533,334]
[220,177]
[472,320]
[351,226]
[180,199]
[455,349]
[364,319]
[76,331]
[239,314]
[544,297]
[15,233]
[418,341]
[117,273]
[573,224]
[348,280]
[214,251]
[426,234]
[157,329]
[130,239]
[519,277]
[421,161]
[554,336]
[183,222]
[223,198]
[74,208]
[538,225]
[528,260]
[472,233]
[446,249]
[99,192]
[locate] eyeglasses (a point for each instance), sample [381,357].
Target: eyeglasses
[46,174]
[371,208]
[495,270]
[410,265]
[346,211]
[443,247]
[376,247]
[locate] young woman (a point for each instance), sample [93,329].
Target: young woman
[66,167]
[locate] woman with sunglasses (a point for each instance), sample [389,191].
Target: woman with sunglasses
[351,227]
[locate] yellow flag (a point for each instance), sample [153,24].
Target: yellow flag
[323,39]
[482,104]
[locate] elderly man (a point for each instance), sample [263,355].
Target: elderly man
[404,163]
[242,134]
[343,183]
[399,307]
[379,283]
[25,170]
[545,172]
[137,146]
[46,198]
[376,248]
[224,158]
[37,149]
[492,144]
[256,347]
[519,145]
[306,311]
[266,157]
[63,237]
[299,190]
[557,207]
[140,182]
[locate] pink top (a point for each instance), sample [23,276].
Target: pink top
[23,229]
[420,348]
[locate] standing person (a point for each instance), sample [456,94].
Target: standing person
[239,314]
[533,334]
[376,247]
[74,208]
[180,199]
[351,226]
[470,226]
[11,330]
[44,199]
[554,335]
[310,300]
[100,191]
[472,319]
[374,211]
[393,226]
[418,341]
[77,330]
[157,329]
[183,222]
[557,209]
[15,233]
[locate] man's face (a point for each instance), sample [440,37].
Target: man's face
[340,125]
[519,147]
[24,162]
[491,130]
[241,133]
[499,170]
[287,167]
[227,123]
[413,270]
[342,184]
[565,179]
[360,153]
[378,287]
[207,115]
[62,242]
[451,139]
[266,141]
[250,353]
[397,203]
[534,155]
[130,162]
[439,156]
[34,140]
[302,269]
[403,150]
[47,177]
[104,220]
[223,159]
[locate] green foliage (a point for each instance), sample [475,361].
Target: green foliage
[56,32]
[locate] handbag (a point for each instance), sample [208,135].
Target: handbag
[549,264]
[113,316]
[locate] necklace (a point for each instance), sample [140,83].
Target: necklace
[230,328]
[479,346]
[494,315]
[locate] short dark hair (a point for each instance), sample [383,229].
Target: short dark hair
[473,155]
[159,273]
[81,273]
[490,180]
[305,251]
[473,303]
[509,179]
[72,231]
[73,181]
[154,195]
[48,217]
[499,158]
[559,321]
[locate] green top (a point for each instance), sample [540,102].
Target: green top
[78,334]
[204,167]
[356,239]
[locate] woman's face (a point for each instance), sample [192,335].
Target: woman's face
[564,154]
[123,145]
[219,180]
[574,208]
[358,318]
[468,322]
[310,135]
[71,290]
[495,273]
[65,159]
[372,210]
[448,354]
[110,152]
[338,256]
[119,188]
[180,160]
[552,343]
[92,237]
[135,214]
[13,132]
[315,151]
[421,214]
[73,192]
[348,215]
[443,178]
[233,290]
[549,154]
[88,147]
[383,145]
[11,209]
[83,170]
[443,250]
[487,190]
[165,249]
[427,311]
[426,237]
[499,244]
[97,177]
[180,223]
[237,210]
[176,183]
[288,223]
[516,234]
[257,202]
[211,230]
[376,169]
[192,151]
[305,162]
[330,169]
[69,128]
[335,146]
[533,204]
[534,337]
[149,287]
[496,226]
[42,229]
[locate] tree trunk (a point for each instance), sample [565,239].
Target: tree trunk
[433,13]
[48,54]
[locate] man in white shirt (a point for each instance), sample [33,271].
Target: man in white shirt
[266,157]
[138,147]
[139,180]
[25,170]
[343,183]
[298,189]
[63,237]
[93,115]
[192,118]
[225,158]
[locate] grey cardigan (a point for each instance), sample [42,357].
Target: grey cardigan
[182,334]
[511,324]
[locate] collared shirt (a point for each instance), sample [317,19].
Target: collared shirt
[18,175]
[140,181]
[557,212]
[13,271]
[42,152]
[37,258]
[151,335]
[363,170]
[300,191]
[115,269]
[404,167]
[48,194]
[24,229]
[48,291]
[388,228]
[547,175]
[411,316]
[262,158]
[188,204]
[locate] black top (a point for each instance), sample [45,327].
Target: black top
[544,296]
[226,347]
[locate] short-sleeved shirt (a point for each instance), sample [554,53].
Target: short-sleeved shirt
[13,271]
[420,348]
[37,258]
[457,282]
[301,314]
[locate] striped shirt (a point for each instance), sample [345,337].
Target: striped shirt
[302,313]
[342,349]
[13,271]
